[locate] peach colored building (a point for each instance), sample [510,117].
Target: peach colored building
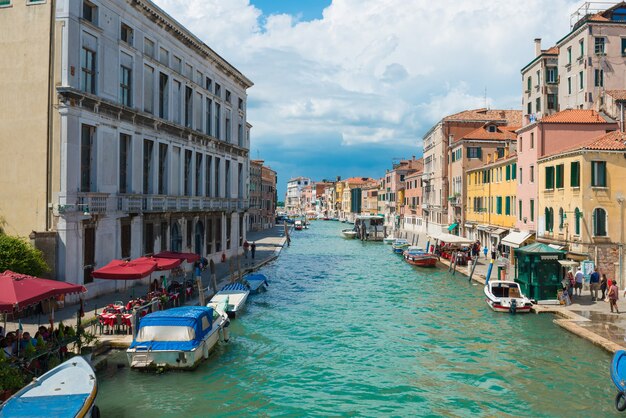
[412,210]
[540,84]
[393,185]
[550,135]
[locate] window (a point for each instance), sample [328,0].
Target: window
[188,106]
[581,45]
[549,219]
[89,251]
[227,96]
[520,210]
[577,216]
[569,85]
[599,45]
[574,178]
[529,107]
[240,104]
[561,218]
[529,83]
[474,152]
[569,55]
[208,84]
[514,171]
[199,172]
[598,79]
[208,116]
[532,140]
[88,70]
[623,46]
[598,174]
[507,205]
[90,12]
[148,147]
[216,190]
[164,93]
[532,210]
[551,75]
[177,64]
[125,164]
[240,135]
[532,173]
[197,117]
[148,238]
[559,176]
[218,90]
[188,71]
[500,152]
[227,176]
[164,56]
[207,176]
[551,102]
[176,100]
[599,222]
[125,238]
[163,169]
[227,125]
[538,104]
[87,159]
[581,81]
[549,178]
[5,3]
[520,175]
[125,86]
[187,172]
[126,34]
[199,78]
[218,130]
[148,89]
[148,47]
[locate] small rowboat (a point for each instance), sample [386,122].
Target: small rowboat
[68,390]
[416,256]
[256,282]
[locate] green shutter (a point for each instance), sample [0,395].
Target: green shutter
[480,152]
[499,205]
[520,210]
[508,173]
[575,174]
[559,176]
[514,171]
[507,205]
[532,210]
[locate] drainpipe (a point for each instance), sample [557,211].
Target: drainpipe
[49,133]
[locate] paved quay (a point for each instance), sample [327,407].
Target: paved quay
[268,242]
[591,320]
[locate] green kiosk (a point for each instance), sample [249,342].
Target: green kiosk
[538,271]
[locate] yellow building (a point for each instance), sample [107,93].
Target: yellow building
[338,198]
[581,199]
[490,209]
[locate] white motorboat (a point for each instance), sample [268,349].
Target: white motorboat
[177,338]
[256,282]
[370,227]
[231,299]
[506,296]
[348,233]
[389,240]
[68,390]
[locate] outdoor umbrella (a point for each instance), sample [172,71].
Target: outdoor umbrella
[189,257]
[18,291]
[125,270]
[161,263]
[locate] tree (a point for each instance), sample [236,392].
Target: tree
[19,256]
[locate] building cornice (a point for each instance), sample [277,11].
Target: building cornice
[573,153]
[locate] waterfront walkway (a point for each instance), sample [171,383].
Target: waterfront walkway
[268,245]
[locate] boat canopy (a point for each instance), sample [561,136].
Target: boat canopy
[179,328]
[452,239]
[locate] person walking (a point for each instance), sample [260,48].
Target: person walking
[594,284]
[252,249]
[246,246]
[579,277]
[604,286]
[485,251]
[613,297]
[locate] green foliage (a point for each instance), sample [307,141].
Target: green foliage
[61,331]
[29,350]
[10,377]
[19,256]
[41,344]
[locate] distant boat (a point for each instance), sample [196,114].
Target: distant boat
[416,256]
[506,296]
[177,338]
[348,233]
[389,240]
[232,298]
[68,390]
[399,245]
[298,226]
[371,227]
[256,283]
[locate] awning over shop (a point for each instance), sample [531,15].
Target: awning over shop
[452,226]
[568,263]
[189,257]
[556,247]
[515,239]
[161,263]
[125,270]
[452,239]
[498,231]
[483,228]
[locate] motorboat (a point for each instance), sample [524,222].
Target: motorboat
[506,296]
[256,282]
[68,390]
[298,226]
[370,227]
[178,338]
[417,256]
[389,240]
[618,376]
[348,233]
[399,245]
[232,298]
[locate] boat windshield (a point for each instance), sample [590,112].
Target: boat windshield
[165,333]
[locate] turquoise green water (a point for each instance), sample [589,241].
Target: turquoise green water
[348,329]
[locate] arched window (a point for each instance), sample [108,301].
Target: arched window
[561,218]
[547,216]
[599,222]
[176,239]
[577,215]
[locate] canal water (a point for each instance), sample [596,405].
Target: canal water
[348,329]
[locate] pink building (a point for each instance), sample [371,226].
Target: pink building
[550,135]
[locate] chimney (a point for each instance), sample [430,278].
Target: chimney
[537,47]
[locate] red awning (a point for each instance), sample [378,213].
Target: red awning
[125,270]
[190,257]
[162,263]
[18,291]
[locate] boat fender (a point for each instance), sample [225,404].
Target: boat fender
[513,306]
[205,351]
[226,333]
[620,402]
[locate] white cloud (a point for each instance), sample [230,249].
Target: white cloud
[374,71]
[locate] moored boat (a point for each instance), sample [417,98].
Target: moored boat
[399,245]
[68,390]
[506,296]
[348,233]
[416,256]
[232,298]
[618,376]
[389,240]
[298,226]
[177,338]
[256,282]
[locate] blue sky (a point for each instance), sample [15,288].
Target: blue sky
[342,87]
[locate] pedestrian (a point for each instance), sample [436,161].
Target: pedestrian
[252,249]
[571,283]
[579,277]
[246,246]
[485,251]
[604,285]
[613,297]
[213,276]
[594,284]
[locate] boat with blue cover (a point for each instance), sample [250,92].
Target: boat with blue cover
[231,299]
[177,338]
[618,376]
[68,390]
[256,282]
